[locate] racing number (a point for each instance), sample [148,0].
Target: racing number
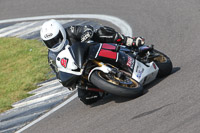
[64,62]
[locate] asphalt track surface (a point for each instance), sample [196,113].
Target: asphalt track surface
[171,105]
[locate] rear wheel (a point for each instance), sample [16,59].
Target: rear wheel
[121,85]
[164,64]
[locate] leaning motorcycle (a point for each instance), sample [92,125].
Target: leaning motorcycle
[111,68]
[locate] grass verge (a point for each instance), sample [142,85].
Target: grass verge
[23,64]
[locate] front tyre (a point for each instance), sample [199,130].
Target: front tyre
[121,86]
[164,64]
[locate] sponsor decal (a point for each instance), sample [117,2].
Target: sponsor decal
[154,66]
[139,73]
[106,36]
[48,35]
[64,62]
[130,62]
[85,37]
[72,29]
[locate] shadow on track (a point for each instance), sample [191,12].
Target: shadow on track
[158,80]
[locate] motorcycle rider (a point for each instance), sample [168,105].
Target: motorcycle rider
[56,37]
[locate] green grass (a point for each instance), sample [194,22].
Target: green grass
[23,64]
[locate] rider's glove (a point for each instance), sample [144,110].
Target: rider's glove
[87,34]
[136,41]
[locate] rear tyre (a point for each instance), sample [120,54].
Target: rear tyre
[164,64]
[123,86]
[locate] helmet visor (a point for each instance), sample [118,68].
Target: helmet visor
[54,41]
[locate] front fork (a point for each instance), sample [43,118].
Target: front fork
[101,67]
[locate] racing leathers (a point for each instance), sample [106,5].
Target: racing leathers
[103,34]
[86,33]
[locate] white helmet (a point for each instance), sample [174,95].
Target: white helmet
[53,35]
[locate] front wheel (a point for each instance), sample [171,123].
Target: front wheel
[122,86]
[164,64]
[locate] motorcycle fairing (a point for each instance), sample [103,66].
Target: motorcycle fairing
[144,73]
[110,53]
[67,79]
[68,65]
[79,52]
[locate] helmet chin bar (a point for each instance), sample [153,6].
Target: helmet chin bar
[60,46]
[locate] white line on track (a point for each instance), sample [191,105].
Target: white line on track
[123,26]
[34,29]
[48,113]
[18,29]
[12,27]
[40,99]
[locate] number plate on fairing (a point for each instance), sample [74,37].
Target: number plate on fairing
[66,63]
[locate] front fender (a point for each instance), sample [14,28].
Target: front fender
[102,68]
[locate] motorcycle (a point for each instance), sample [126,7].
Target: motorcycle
[111,68]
